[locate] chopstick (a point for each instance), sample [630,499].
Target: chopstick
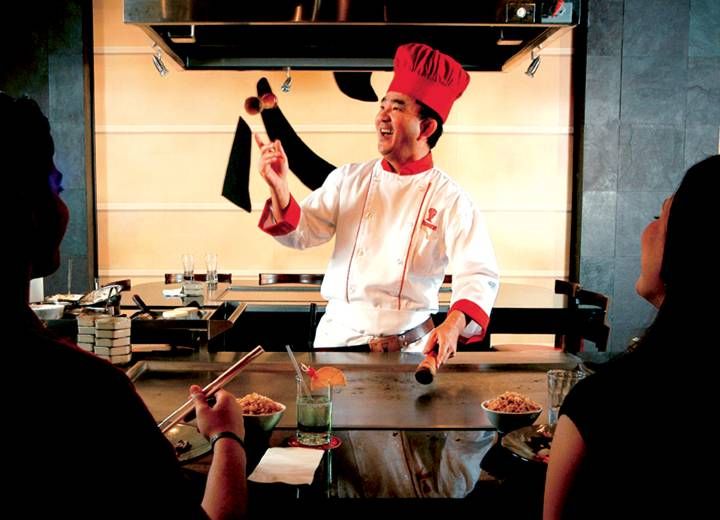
[212,387]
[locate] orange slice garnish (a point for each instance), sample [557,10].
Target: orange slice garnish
[327,376]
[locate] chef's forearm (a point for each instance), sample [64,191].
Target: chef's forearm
[280,197]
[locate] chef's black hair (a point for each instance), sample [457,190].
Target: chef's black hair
[428,113]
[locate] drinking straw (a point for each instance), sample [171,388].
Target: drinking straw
[305,388]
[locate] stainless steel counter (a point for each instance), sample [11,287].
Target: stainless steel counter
[381,391]
[289,296]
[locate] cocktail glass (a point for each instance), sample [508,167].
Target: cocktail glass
[314,414]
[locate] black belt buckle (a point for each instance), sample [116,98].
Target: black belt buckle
[384,344]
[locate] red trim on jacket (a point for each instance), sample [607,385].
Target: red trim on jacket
[476,314]
[290,221]
[412,167]
[409,249]
[357,234]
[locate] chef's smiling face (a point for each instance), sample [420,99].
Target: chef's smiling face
[398,126]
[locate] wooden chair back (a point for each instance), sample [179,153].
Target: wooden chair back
[583,318]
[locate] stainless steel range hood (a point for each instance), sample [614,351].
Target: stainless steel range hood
[341,35]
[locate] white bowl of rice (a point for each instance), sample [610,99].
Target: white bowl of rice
[510,411]
[260,412]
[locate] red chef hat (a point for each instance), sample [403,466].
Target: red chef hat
[429,76]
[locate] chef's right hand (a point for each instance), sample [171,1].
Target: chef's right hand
[274,169]
[225,415]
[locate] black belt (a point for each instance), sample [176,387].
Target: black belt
[391,343]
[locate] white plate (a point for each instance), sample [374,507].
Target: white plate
[197,447]
[526,442]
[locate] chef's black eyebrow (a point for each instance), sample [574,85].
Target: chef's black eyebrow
[392,101]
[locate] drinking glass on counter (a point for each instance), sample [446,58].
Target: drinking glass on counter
[188,267]
[211,276]
[314,414]
[560,381]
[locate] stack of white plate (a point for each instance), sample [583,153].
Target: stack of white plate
[112,339]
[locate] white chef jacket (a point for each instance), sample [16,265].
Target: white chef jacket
[410,463]
[395,235]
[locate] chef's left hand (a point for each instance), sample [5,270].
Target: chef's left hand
[444,337]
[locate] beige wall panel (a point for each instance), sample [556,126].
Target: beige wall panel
[131,92]
[523,339]
[523,241]
[522,291]
[188,167]
[157,239]
[509,171]
[529,240]
[161,167]
[512,98]
[315,98]
[344,147]
[543,235]
[109,29]
[564,40]
[167,168]
[506,171]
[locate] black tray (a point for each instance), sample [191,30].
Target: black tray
[212,322]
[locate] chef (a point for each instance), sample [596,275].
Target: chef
[398,223]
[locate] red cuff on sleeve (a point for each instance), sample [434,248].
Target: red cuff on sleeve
[290,215]
[476,314]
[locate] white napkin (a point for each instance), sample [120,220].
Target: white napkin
[289,465]
[173,293]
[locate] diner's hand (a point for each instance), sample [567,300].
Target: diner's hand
[225,494]
[444,337]
[274,170]
[225,415]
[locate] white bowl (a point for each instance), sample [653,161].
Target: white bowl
[265,421]
[508,421]
[48,311]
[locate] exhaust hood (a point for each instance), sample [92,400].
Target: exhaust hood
[346,35]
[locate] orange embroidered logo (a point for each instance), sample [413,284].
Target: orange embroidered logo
[427,221]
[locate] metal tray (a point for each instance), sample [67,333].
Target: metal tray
[144,329]
[211,323]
